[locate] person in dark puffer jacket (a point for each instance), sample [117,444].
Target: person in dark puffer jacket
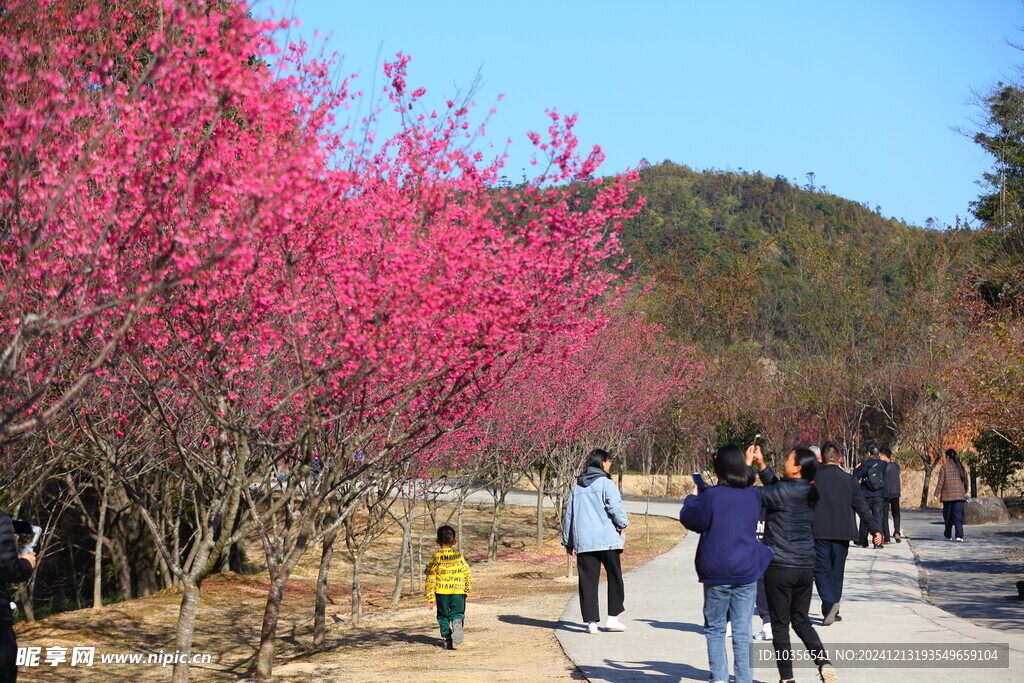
[729,559]
[14,568]
[789,581]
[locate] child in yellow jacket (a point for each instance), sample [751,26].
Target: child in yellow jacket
[449,581]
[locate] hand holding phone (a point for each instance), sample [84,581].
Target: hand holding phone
[699,482]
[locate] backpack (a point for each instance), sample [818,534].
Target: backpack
[874,478]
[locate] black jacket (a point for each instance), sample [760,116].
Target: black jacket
[789,518]
[839,495]
[860,473]
[12,568]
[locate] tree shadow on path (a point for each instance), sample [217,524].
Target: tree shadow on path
[644,671]
[673,625]
[540,623]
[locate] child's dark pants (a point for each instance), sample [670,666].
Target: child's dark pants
[449,608]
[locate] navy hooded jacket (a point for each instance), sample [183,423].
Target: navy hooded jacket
[726,519]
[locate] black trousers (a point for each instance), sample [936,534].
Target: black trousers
[8,655]
[953,516]
[588,565]
[891,505]
[829,568]
[877,505]
[789,599]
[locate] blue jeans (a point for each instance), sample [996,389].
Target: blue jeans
[729,603]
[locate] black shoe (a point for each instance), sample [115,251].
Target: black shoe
[862,545]
[448,644]
[838,618]
[899,539]
[457,632]
[879,547]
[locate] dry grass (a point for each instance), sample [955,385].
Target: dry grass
[509,627]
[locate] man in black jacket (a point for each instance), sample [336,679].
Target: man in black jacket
[13,568]
[834,527]
[871,476]
[892,497]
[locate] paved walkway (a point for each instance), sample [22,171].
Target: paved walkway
[882,605]
[974,579]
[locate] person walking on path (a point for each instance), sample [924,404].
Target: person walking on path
[789,504]
[14,568]
[761,603]
[835,525]
[449,581]
[729,559]
[871,476]
[594,528]
[892,497]
[951,490]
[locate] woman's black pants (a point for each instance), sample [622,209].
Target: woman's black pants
[789,601]
[588,565]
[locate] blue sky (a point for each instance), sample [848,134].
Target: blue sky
[865,94]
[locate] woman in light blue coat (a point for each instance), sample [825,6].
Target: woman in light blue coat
[594,528]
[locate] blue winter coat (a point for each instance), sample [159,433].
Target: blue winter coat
[594,515]
[726,519]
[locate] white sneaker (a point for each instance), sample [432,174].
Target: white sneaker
[765,634]
[613,624]
[959,540]
[592,627]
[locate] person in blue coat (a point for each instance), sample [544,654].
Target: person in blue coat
[730,559]
[594,528]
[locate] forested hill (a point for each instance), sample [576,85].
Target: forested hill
[745,257]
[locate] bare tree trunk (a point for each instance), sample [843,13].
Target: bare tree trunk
[492,540]
[929,467]
[122,569]
[357,587]
[462,506]
[23,596]
[403,558]
[320,610]
[186,627]
[97,579]
[413,586]
[419,557]
[541,479]
[268,635]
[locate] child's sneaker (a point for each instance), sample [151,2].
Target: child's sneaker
[592,627]
[448,644]
[457,634]
[613,624]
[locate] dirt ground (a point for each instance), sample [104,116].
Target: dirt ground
[510,618]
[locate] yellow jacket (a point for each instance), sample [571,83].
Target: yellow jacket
[448,574]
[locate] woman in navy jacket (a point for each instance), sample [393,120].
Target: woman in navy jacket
[729,559]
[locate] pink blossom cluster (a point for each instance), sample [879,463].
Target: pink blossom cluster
[187,222]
